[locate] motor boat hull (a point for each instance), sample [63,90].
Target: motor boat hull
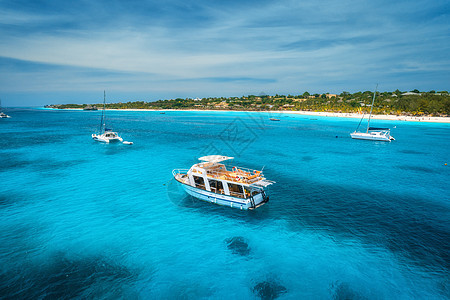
[371,136]
[234,202]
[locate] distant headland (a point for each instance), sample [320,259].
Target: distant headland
[401,104]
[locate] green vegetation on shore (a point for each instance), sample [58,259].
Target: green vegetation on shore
[389,103]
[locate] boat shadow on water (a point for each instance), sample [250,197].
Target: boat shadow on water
[118,148]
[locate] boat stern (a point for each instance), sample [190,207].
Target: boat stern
[258,200]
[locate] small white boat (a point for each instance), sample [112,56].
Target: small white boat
[214,182]
[106,135]
[127,143]
[2,115]
[372,133]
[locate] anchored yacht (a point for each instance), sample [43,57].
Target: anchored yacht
[2,115]
[372,133]
[212,181]
[375,134]
[106,135]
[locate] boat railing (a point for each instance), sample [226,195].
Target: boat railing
[217,191]
[200,186]
[236,194]
[235,174]
[249,192]
[243,195]
[179,171]
[242,169]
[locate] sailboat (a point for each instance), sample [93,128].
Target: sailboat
[372,133]
[106,135]
[3,115]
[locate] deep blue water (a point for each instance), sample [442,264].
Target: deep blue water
[347,219]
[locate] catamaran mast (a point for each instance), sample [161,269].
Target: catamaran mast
[103,111]
[373,101]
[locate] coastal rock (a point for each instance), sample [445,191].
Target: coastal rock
[267,290]
[342,291]
[238,245]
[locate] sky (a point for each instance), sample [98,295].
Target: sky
[55,52]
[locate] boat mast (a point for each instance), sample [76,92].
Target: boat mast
[373,101]
[103,111]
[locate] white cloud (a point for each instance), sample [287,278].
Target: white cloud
[288,45]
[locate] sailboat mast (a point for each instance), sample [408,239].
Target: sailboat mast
[103,111]
[370,115]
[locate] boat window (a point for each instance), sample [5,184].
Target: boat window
[199,182]
[250,192]
[235,190]
[216,186]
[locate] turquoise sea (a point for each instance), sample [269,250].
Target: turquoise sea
[346,219]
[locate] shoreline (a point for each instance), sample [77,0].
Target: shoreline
[306,113]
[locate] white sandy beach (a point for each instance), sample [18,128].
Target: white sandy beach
[309,113]
[378,117]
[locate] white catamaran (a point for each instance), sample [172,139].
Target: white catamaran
[372,133]
[106,135]
[217,183]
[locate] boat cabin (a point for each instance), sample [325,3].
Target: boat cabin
[214,176]
[110,134]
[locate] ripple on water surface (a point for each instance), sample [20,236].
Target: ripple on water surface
[60,277]
[346,219]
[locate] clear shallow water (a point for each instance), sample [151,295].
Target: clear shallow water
[346,219]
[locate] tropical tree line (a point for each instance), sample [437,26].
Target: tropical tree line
[396,103]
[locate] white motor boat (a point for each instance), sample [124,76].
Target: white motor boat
[372,133]
[106,135]
[214,182]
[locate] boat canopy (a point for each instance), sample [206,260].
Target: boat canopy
[214,158]
[263,183]
[378,128]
